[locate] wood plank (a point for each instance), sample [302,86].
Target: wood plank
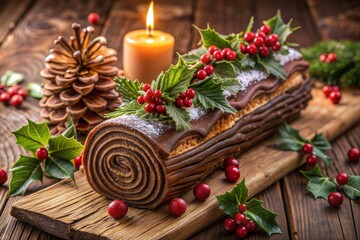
[82,213]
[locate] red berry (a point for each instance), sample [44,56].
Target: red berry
[187,102]
[202,191]
[117,209]
[231,161]
[2,87]
[4,97]
[268,43]
[177,206]
[265,29]
[77,162]
[157,101]
[342,178]
[264,51]
[307,148]
[232,173]
[273,38]
[335,97]
[201,74]
[209,69]
[182,96]
[323,57]
[311,160]
[250,226]
[327,90]
[241,232]
[157,93]
[148,97]
[218,55]
[335,199]
[140,99]
[230,55]
[276,47]
[261,34]
[13,90]
[212,49]
[146,87]
[229,225]
[240,219]
[251,49]
[205,59]
[258,41]
[16,100]
[242,207]
[160,109]
[225,51]
[331,57]
[22,93]
[3,178]
[179,102]
[335,88]
[354,154]
[149,107]
[93,18]
[249,36]
[243,49]
[190,93]
[42,153]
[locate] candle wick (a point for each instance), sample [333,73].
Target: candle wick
[149,31]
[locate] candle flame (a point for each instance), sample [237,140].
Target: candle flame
[150,19]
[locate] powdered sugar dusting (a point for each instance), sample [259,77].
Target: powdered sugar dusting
[196,113]
[245,78]
[292,55]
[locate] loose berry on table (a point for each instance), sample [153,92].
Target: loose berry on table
[201,191]
[335,199]
[354,154]
[93,18]
[117,209]
[232,173]
[177,206]
[231,161]
[78,162]
[335,97]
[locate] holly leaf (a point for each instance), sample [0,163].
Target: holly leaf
[194,55]
[59,168]
[127,89]
[263,217]
[289,138]
[33,136]
[352,188]
[64,148]
[272,66]
[175,80]
[180,116]
[229,84]
[318,152]
[24,171]
[209,95]
[11,78]
[315,172]
[210,37]
[321,187]
[225,70]
[250,25]
[34,90]
[125,109]
[246,62]
[230,201]
[71,130]
[321,142]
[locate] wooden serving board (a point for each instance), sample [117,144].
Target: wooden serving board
[80,213]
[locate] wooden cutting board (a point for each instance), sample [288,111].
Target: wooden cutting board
[80,213]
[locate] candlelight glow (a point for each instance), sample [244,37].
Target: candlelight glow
[150,19]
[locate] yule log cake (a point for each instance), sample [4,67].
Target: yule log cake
[146,157]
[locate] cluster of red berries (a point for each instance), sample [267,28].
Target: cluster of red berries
[3,177]
[152,99]
[218,55]
[335,199]
[239,224]
[329,58]
[93,18]
[333,93]
[185,99]
[232,172]
[13,95]
[260,42]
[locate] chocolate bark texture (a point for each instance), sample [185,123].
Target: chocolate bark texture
[146,168]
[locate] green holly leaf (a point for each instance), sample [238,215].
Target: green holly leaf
[11,78]
[229,84]
[278,27]
[64,148]
[194,55]
[175,80]
[33,136]
[289,138]
[34,90]
[352,188]
[180,116]
[315,172]
[321,187]
[59,168]
[318,152]
[125,109]
[25,171]
[127,89]
[262,216]
[230,201]
[250,25]
[71,130]
[209,95]
[246,63]
[210,37]
[225,70]
[272,66]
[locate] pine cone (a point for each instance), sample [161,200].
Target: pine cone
[79,81]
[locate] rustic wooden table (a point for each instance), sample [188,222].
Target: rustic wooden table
[27,31]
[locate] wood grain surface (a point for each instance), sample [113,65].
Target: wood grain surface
[28,28]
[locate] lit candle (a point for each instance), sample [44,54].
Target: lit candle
[147,52]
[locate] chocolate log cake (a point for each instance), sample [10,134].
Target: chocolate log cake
[146,163]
